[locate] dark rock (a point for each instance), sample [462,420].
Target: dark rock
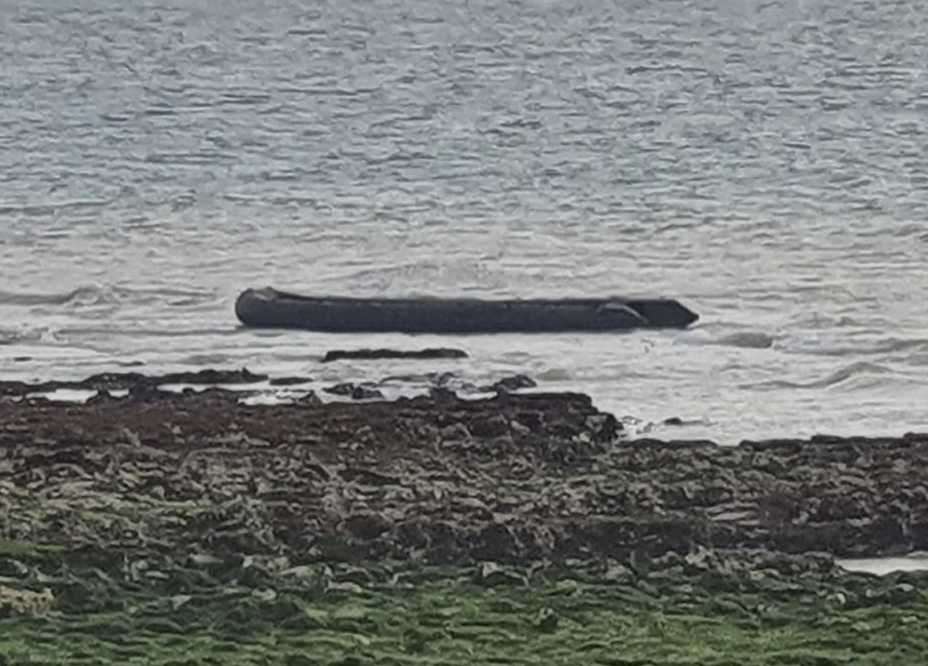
[101,396]
[210,376]
[143,392]
[489,426]
[673,421]
[496,542]
[344,388]
[604,427]
[826,439]
[547,620]
[456,432]
[509,384]
[362,392]
[289,381]
[367,525]
[355,391]
[135,382]
[442,394]
[309,399]
[379,354]
[491,574]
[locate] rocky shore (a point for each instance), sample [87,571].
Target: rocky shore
[374,532]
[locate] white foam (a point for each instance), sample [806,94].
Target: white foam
[882,566]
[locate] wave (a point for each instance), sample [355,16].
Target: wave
[142,332]
[742,339]
[24,298]
[104,295]
[746,340]
[554,375]
[889,346]
[27,335]
[839,376]
[51,207]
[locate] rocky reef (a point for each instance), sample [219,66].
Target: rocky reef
[368,531]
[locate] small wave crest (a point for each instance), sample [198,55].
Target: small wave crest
[876,348]
[554,375]
[24,298]
[740,339]
[101,295]
[26,336]
[747,340]
[838,377]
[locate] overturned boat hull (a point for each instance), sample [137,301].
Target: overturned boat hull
[269,308]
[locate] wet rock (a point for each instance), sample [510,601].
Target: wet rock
[134,381]
[146,392]
[509,384]
[496,541]
[491,574]
[442,394]
[603,427]
[101,396]
[518,428]
[310,398]
[367,525]
[366,393]
[355,391]
[289,381]
[547,620]
[380,354]
[210,376]
[340,389]
[488,426]
[456,432]
[17,388]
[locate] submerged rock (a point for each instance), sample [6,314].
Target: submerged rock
[289,381]
[134,381]
[508,384]
[355,391]
[381,354]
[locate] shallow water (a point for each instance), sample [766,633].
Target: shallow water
[765,162]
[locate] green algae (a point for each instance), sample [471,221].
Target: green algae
[453,623]
[26,549]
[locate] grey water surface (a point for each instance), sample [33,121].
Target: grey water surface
[765,162]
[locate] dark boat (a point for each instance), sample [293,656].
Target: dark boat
[269,308]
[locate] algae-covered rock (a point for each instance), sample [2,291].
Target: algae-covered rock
[454,528]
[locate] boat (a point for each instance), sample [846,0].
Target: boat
[270,308]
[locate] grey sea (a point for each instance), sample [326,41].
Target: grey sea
[764,162]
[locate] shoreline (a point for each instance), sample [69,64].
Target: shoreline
[188,509]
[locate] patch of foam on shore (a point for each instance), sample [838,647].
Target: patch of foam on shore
[882,566]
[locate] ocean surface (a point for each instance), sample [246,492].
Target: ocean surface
[764,162]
